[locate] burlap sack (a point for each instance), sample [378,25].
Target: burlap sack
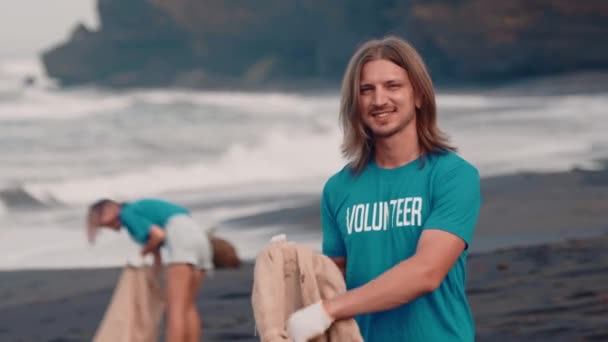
[136,309]
[287,277]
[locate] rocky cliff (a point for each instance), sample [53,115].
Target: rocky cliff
[242,43]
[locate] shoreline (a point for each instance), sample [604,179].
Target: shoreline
[522,209]
[554,291]
[551,291]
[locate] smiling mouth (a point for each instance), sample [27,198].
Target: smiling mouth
[382,114]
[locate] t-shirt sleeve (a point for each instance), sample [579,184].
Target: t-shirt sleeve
[137,225]
[456,199]
[333,244]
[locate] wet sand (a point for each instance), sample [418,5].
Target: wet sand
[539,273]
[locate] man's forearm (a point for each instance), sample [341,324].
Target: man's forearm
[151,246]
[155,238]
[157,257]
[403,283]
[158,261]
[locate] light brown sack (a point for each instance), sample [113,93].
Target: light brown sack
[224,253]
[136,309]
[287,277]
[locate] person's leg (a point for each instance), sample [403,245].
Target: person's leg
[187,244]
[179,282]
[193,323]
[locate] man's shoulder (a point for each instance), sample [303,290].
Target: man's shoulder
[449,167]
[147,202]
[140,204]
[340,178]
[451,161]
[127,210]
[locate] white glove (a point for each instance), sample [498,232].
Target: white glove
[308,322]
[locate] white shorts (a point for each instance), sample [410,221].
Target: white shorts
[187,243]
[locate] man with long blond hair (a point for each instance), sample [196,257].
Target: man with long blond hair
[398,219]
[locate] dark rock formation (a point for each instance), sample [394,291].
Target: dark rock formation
[241,43]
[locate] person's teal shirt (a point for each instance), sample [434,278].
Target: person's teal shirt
[139,216]
[375,219]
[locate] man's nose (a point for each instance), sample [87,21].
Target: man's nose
[380,98]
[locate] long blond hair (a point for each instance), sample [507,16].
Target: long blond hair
[357,143]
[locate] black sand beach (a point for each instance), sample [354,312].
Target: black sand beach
[550,284]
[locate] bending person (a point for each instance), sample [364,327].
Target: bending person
[154,223]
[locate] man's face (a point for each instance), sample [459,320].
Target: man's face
[109,217]
[386,98]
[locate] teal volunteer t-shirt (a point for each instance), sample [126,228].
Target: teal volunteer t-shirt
[139,216]
[375,219]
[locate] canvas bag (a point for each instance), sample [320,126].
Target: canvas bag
[136,309]
[289,276]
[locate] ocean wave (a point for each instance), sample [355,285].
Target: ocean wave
[278,159]
[270,104]
[52,104]
[35,104]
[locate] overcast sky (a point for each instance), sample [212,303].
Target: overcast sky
[30,26]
